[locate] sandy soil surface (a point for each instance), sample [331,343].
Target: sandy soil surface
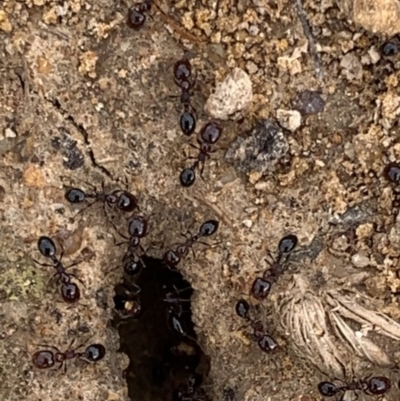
[84,97]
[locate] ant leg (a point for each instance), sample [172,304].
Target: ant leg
[86,207]
[71,344]
[39,263]
[193,109]
[194,146]
[77,278]
[82,344]
[190,158]
[61,365]
[269,254]
[78,262]
[49,346]
[193,83]
[201,170]
[121,235]
[51,279]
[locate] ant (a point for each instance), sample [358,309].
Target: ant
[262,285]
[182,73]
[264,341]
[377,385]
[175,301]
[137,14]
[46,359]
[69,291]
[209,135]
[124,200]
[137,228]
[173,257]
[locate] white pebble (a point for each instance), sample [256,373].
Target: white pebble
[360,260]
[289,119]
[232,96]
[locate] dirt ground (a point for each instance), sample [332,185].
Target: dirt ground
[84,97]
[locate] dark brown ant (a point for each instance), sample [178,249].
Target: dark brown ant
[124,200]
[46,359]
[173,257]
[137,14]
[69,291]
[209,136]
[182,72]
[377,385]
[262,285]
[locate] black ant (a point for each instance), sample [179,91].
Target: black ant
[262,285]
[173,257]
[137,14]
[137,228]
[377,385]
[124,200]
[46,359]
[69,291]
[209,135]
[182,72]
[264,341]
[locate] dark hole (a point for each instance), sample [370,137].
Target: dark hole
[162,360]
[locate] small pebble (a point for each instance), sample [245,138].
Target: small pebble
[309,102]
[9,133]
[232,96]
[289,119]
[360,260]
[259,150]
[33,177]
